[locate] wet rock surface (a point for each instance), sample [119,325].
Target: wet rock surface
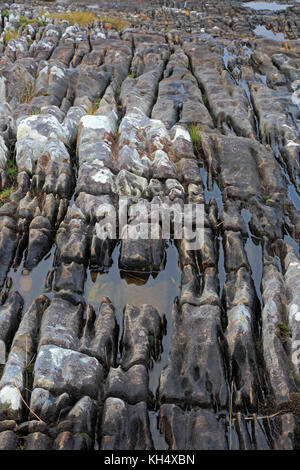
[133,343]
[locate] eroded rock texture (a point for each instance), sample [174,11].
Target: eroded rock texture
[130,343]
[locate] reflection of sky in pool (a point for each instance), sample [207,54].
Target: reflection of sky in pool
[266,6]
[266,33]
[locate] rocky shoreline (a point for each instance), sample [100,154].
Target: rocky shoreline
[144,344]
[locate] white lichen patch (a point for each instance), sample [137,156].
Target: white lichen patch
[181,132]
[10,398]
[294,312]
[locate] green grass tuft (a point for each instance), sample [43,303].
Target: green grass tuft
[283,328]
[194,133]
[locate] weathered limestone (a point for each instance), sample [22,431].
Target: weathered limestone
[164,104]
[194,373]
[142,335]
[99,338]
[23,349]
[125,426]
[82,375]
[195,429]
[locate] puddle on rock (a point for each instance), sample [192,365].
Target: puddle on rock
[262,31]
[272,6]
[214,193]
[290,241]
[159,291]
[135,288]
[31,283]
[221,266]
[254,252]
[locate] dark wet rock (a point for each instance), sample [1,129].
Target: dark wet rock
[67,441]
[8,440]
[101,252]
[82,418]
[40,241]
[70,276]
[8,425]
[188,103]
[235,256]
[286,441]
[228,104]
[125,426]
[142,336]
[275,128]
[47,407]
[12,383]
[8,243]
[194,372]
[138,255]
[242,176]
[273,314]
[38,441]
[253,438]
[10,315]
[99,338]
[71,241]
[199,292]
[131,385]
[291,277]
[197,429]
[232,218]
[179,98]
[30,427]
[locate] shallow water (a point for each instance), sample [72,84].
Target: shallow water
[31,283]
[258,6]
[159,291]
[133,288]
[262,31]
[291,242]
[214,193]
[254,255]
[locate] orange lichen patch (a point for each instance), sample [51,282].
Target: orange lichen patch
[44,161]
[117,22]
[187,12]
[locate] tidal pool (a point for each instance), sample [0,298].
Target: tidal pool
[262,31]
[258,6]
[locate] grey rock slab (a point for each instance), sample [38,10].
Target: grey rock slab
[124,426]
[197,429]
[131,385]
[61,370]
[194,373]
[142,335]
[61,324]
[99,337]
